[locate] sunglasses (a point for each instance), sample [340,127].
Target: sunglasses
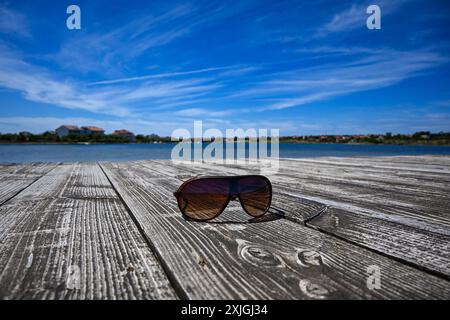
[205,198]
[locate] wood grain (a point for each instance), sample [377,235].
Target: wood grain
[292,207]
[68,236]
[399,212]
[402,212]
[390,190]
[83,231]
[15,178]
[273,258]
[423,249]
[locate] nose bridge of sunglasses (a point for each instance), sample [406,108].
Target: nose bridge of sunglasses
[235,188]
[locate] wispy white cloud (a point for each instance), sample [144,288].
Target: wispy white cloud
[120,99]
[379,70]
[110,52]
[355,17]
[164,125]
[169,90]
[13,22]
[37,84]
[396,121]
[236,72]
[163,75]
[333,50]
[345,20]
[41,124]
[224,95]
[442,103]
[195,112]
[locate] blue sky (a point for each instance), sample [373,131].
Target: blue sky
[305,67]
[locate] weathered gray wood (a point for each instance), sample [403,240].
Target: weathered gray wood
[425,249]
[398,206]
[16,177]
[368,204]
[291,207]
[403,212]
[270,259]
[68,236]
[422,199]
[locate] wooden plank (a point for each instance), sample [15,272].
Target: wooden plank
[273,258]
[423,249]
[402,212]
[372,206]
[419,162]
[38,168]
[419,199]
[16,177]
[422,198]
[294,208]
[68,236]
[370,190]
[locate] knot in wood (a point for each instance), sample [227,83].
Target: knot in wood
[259,256]
[308,258]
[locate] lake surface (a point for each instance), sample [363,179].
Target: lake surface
[123,152]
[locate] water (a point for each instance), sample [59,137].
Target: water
[123,152]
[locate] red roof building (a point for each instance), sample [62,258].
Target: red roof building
[123,133]
[92,130]
[66,130]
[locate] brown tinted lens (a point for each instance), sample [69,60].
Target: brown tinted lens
[255,194]
[203,199]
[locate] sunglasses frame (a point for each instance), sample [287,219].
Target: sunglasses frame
[230,195]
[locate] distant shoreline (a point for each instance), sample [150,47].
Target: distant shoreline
[51,138]
[80,143]
[431,143]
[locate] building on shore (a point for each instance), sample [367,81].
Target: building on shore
[92,130]
[128,135]
[66,130]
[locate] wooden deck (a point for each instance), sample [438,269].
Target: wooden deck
[113,231]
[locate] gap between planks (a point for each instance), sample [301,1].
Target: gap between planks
[172,280]
[310,221]
[71,198]
[158,216]
[29,185]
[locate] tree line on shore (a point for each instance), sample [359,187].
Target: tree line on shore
[422,137]
[50,137]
